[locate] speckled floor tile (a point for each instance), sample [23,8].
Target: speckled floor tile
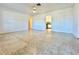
[38,43]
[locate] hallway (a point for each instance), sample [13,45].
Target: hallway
[38,42]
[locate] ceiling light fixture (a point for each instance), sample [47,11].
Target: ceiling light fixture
[34,10]
[34,7]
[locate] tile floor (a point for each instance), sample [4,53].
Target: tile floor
[38,43]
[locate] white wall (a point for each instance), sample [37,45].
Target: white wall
[76,20]
[39,22]
[13,21]
[62,20]
[1,26]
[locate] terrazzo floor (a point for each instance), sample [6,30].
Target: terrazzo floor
[38,43]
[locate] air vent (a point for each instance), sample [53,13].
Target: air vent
[38,4]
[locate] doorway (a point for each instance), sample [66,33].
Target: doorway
[48,24]
[30,23]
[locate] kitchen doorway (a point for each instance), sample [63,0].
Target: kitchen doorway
[48,24]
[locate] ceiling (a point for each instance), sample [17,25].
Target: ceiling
[27,7]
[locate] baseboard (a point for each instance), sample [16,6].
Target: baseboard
[76,35]
[12,32]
